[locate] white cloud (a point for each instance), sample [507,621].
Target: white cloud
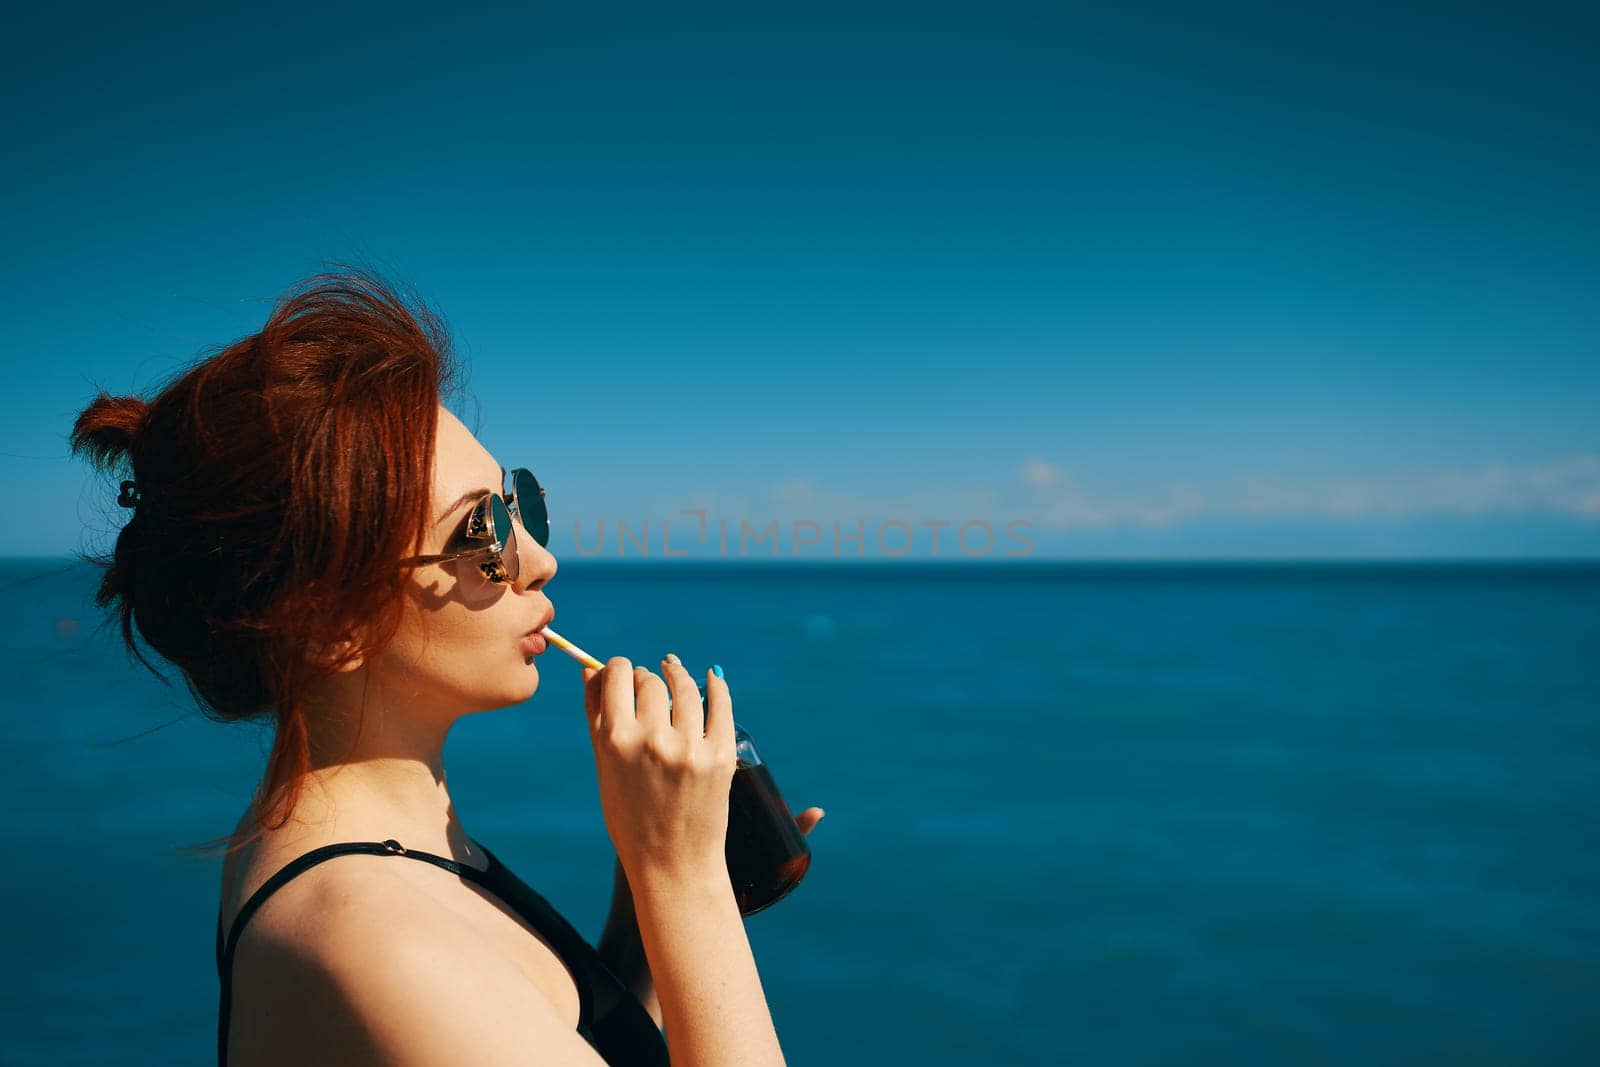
[804,499]
[1569,486]
[797,494]
[1061,503]
[1039,474]
[1054,498]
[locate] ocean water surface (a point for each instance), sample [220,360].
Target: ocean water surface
[1105,814]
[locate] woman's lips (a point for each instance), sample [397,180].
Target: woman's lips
[533,644]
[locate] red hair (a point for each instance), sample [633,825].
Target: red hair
[280,483]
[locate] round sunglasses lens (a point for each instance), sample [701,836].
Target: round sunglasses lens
[530,505]
[505,537]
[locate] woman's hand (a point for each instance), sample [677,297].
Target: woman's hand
[664,776]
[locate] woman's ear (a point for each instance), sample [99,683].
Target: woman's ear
[349,657]
[339,657]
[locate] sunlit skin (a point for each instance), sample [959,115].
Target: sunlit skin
[457,651]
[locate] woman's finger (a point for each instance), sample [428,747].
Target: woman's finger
[615,698]
[719,717]
[807,820]
[650,701]
[688,717]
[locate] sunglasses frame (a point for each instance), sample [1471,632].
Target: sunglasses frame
[481,526]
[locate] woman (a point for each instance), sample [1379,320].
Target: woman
[315,539]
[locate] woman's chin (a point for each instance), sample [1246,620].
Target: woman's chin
[515,686]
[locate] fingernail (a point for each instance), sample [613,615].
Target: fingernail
[672,657]
[716,669]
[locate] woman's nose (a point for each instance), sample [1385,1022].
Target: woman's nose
[538,563]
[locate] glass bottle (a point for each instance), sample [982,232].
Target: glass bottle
[767,854]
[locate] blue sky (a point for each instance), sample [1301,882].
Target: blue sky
[1171,281]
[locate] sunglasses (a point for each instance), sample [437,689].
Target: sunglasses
[493,533]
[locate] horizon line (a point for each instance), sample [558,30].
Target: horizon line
[988,563]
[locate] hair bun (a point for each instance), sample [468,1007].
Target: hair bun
[108,427]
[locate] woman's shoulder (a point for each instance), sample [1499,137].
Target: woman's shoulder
[350,899]
[316,887]
[334,889]
[401,969]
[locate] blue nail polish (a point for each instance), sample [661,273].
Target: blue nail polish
[716,669]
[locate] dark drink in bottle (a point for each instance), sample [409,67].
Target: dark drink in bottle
[767,853]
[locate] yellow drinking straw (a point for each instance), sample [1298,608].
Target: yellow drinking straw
[571,649]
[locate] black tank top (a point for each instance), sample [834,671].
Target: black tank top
[610,1017]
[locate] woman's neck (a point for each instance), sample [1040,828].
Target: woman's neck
[379,773]
[375,800]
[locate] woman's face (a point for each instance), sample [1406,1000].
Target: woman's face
[460,644]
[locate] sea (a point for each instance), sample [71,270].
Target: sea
[1077,813]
